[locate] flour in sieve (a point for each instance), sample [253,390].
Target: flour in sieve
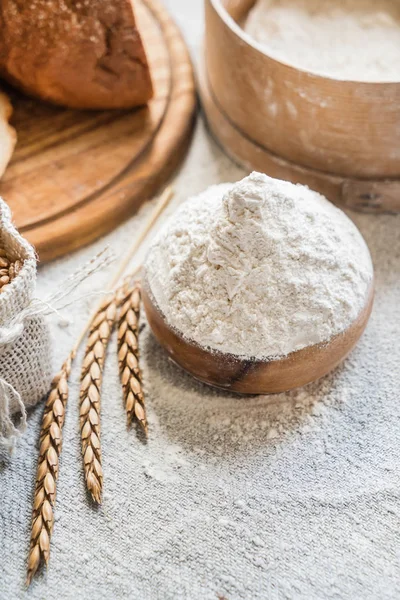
[259,268]
[346,39]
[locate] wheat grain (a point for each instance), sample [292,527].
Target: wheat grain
[128,354]
[90,392]
[8,269]
[47,472]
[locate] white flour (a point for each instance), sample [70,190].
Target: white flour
[259,268]
[347,39]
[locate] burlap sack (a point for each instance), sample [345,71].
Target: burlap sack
[25,349]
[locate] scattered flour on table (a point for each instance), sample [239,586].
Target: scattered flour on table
[165,468]
[347,39]
[259,268]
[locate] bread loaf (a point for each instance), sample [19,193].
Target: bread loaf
[85,54]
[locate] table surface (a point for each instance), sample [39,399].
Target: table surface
[289,496]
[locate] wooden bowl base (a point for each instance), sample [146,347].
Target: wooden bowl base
[255,376]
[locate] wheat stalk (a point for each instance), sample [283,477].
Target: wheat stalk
[100,329]
[54,414]
[47,472]
[128,354]
[90,393]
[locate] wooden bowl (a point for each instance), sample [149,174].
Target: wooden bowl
[339,137]
[254,376]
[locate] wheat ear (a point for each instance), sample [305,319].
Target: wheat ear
[100,329]
[91,378]
[128,354]
[53,420]
[47,472]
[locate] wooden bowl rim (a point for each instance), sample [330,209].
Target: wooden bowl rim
[238,359]
[249,41]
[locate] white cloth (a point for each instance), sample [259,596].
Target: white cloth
[295,496]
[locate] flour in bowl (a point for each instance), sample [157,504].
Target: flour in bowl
[346,39]
[259,268]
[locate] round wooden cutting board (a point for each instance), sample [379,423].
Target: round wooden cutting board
[76,175]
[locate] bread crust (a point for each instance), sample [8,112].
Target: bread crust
[85,54]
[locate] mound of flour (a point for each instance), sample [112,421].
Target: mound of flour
[259,268]
[347,39]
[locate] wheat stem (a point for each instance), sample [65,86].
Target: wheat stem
[160,206]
